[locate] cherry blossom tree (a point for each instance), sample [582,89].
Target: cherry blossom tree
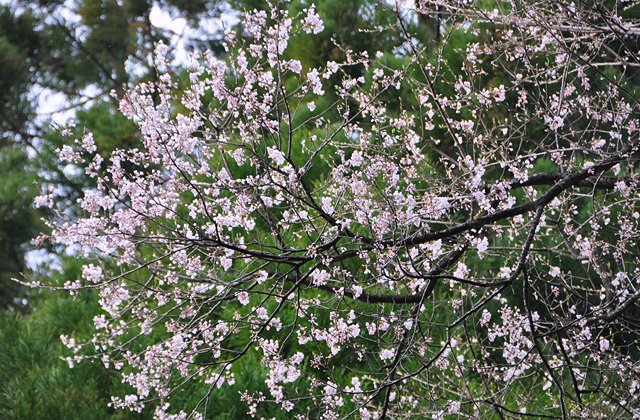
[444,232]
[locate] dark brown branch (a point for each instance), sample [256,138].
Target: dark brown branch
[570,180]
[551,178]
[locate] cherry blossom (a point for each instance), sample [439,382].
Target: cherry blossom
[392,236]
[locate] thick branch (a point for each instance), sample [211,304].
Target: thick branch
[568,181]
[551,178]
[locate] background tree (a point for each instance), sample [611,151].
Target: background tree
[18,222]
[75,52]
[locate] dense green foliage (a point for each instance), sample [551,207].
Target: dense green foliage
[36,382]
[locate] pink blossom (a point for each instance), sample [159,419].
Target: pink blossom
[92,273]
[312,22]
[387,354]
[554,271]
[485,318]
[314,81]
[243,298]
